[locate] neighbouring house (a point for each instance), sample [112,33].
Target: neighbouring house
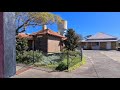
[119,43]
[45,40]
[100,41]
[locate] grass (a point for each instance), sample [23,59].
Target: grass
[73,65]
[51,66]
[77,65]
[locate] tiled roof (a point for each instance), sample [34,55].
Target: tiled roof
[102,36]
[48,31]
[22,35]
[42,32]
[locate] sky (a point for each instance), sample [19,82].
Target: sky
[88,23]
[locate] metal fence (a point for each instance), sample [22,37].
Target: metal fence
[73,57]
[68,58]
[64,59]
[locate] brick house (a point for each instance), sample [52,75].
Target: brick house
[45,40]
[100,41]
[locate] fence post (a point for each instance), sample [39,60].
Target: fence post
[33,48]
[81,54]
[67,60]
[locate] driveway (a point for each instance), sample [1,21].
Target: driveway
[113,54]
[100,64]
[105,63]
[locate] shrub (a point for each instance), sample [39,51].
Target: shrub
[51,59]
[21,45]
[62,66]
[27,57]
[73,58]
[77,65]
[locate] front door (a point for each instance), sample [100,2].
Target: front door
[108,46]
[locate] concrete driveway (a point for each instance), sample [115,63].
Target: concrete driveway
[100,64]
[105,63]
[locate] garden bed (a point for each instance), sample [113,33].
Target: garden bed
[59,62]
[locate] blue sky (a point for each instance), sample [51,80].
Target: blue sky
[86,23]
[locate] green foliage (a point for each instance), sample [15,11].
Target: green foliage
[27,57]
[62,66]
[39,58]
[49,60]
[72,41]
[69,57]
[77,65]
[21,45]
[25,19]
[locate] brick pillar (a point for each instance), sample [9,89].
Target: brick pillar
[7,44]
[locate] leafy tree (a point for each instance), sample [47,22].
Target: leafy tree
[21,45]
[25,19]
[72,41]
[80,36]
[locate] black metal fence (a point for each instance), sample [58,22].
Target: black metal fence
[73,57]
[67,59]
[63,60]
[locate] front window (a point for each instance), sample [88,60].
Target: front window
[95,43]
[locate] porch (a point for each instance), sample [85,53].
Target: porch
[99,45]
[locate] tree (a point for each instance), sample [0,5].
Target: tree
[80,36]
[21,45]
[25,19]
[72,41]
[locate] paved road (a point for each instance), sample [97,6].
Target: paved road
[45,73]
[99,65]
[104,65]
[113,54]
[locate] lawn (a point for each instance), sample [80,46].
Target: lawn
[76,63]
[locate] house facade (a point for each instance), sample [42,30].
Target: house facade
[45,40]
[100,41]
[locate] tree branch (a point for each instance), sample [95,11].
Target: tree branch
[17,30]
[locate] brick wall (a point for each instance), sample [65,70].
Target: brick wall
[41,44]
[53,44]
[30,44]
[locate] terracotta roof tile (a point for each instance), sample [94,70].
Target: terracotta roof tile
[48,31]
[22,35]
